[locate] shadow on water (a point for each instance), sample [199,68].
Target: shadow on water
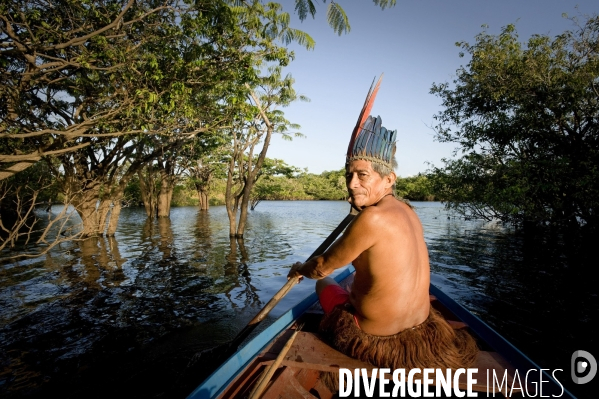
[536,290]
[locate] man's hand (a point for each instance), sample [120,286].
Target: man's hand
[295,271]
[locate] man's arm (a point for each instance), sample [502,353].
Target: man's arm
[359,236]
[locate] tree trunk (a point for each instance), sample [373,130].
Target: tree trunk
[164,199]
[250,180]
[252,173]
[103,210]
[200,199]
[204,203]
[167,185]
[86,205]
[243,214]
[229,199]
[115,213]
[147,188]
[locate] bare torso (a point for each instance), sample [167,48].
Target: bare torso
[385,243]
[390,290]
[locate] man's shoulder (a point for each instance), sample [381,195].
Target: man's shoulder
[390,207]
[392,212]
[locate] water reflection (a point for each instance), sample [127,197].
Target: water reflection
[129,312]
[535,292]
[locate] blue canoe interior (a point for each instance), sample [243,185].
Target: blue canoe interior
[298,373]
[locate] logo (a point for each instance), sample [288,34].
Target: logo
[583,366]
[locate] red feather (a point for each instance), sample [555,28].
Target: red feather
[368,103]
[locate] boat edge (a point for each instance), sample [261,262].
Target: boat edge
[222,377]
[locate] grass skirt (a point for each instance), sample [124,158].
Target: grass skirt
[431,344]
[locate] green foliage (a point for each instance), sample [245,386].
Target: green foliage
[182,196]
[101,90]
[268,23]
[104,80]
[336,16]
[329,185]
[526,120]
[415,188]
[303,7]
[132,195]
[273,167]
[384,3]
[278,188]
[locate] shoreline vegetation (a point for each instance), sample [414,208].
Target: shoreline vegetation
[299,186]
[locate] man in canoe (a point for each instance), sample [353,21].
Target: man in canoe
[386,319]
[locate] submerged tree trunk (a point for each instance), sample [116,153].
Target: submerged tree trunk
[250,180]
[204,204]
[103,211]
[86,204]
[245,198]
[167,185]
[253,171]
[202,176]
[148,191]
[115,213]
[230,199]
[254,203]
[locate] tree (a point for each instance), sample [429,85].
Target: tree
[65,74]
[526,119]
[260,120]
[202,160]
[336,16]
[326,186]
[268,187]
[95,83]
[414,188]
[22,197]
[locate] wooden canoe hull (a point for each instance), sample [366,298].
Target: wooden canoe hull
[300,369]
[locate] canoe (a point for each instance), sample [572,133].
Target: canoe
[500,367]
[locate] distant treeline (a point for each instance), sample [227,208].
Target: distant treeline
[290,183]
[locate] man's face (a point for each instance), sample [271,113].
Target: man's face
[365,186]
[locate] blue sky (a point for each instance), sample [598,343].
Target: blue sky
[413,43]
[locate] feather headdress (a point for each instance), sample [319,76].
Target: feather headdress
[370,140]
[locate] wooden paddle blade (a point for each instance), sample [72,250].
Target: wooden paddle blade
[274,300]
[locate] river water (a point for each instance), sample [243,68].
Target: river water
[124,316]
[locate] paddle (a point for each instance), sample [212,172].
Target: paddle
[228,348]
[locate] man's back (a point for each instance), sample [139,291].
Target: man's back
[387,319]
[390,291]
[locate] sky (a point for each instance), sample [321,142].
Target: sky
[413,44]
